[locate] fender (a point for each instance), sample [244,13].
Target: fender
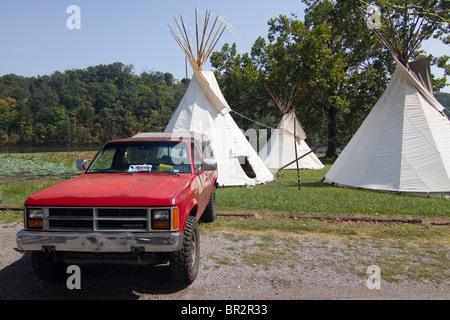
[189,208]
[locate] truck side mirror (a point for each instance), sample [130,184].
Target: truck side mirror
[209,165]
[81,164]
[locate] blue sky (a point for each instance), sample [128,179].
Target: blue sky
[35,40]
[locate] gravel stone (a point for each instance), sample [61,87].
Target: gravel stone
[235,267]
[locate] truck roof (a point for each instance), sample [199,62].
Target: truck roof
[200,137]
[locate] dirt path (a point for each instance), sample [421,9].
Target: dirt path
[248,267]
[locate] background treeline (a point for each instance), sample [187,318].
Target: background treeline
[444,99]
[93,105]
[85,106]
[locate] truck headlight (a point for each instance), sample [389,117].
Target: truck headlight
[165,219]
[35,218]
[161,219]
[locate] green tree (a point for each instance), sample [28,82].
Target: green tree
[403,25]
[331,55]
[242,80]
[7,115]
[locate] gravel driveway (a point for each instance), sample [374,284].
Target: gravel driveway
[246,267]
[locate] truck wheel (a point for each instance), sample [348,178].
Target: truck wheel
[184,263]
[209,215]
[46,268]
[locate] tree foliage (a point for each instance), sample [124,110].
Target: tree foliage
[332,54]
[242,80]
[85,106]
[403,26]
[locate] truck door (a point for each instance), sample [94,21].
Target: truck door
[203,178]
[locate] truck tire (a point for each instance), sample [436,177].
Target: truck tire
[184,263]
[46,268]
[209,215]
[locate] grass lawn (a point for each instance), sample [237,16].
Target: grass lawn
[281,195]
[318,198]
[275,202]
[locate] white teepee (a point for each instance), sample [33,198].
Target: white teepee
[402,146]
[204,109]
[279,150]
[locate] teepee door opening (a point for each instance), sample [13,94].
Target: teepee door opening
[247,167]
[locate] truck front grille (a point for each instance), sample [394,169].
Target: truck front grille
[97,219]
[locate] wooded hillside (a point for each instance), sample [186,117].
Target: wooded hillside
[92,105]
[87,106]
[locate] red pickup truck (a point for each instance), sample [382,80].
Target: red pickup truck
[138,201]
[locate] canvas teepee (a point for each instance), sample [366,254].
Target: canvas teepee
[404,143]
[280,150]
[204,109]
[402,146]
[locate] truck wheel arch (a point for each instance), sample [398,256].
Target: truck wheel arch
[193,211]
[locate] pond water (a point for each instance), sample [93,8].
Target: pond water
[16,166]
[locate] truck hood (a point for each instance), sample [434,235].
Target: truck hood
[111,189]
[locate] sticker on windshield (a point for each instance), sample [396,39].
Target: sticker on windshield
[140,168]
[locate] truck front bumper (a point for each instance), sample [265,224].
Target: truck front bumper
[98,242]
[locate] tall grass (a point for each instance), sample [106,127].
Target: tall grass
[15,193]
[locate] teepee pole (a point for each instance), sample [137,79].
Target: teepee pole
[205,40]
[296,154]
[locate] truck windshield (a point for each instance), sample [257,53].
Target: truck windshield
[142,157]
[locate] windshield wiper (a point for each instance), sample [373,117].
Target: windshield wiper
[109,171]
[170,172]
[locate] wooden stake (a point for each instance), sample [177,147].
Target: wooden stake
[296,155]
